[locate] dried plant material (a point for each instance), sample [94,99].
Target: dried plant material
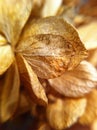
[2,40]
[6,58]
[77,82]
[13,16]
[51,49]
[63,113]
[88,34]
[31,82]
[91,109]
[10,93]
[51,7]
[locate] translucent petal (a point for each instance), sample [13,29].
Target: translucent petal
[77,82]
[31,82]
[51,46]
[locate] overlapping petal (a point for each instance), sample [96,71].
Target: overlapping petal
[77,82]
[30,81]
[51,46]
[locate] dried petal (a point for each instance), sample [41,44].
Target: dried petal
[51,7]
[13,16]
[87,32]
[10,93]
[91,109]
[92,57]
[2,40]
[63,113]
[77,82]
[31,81]
[6,58]
[51,46]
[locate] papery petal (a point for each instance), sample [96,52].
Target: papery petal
[13,16]
[6,58]
[65,112]
[30,81]
[10,93]
[90,113]
[77,82]
[51,46]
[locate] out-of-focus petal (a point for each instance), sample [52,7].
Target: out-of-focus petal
[6,57]
[13,16]
[65,112]
[90,113]
[77,82]
[2,40]
[88,34]
[10,93]
[30,81]
[51,7]
[51,46]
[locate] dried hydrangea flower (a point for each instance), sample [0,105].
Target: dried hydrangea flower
[29,49]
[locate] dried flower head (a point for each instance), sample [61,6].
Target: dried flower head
[35,50]
[43,49]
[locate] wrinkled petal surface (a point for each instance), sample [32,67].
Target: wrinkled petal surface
[51,46]
[77,82]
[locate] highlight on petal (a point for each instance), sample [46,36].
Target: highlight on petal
[3,41]
[10,93]
[30,81]
[77,82]
[90,113]
[13,16]
[6,58]
[51,7]
[65,112]
[51,46]
[87,32]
